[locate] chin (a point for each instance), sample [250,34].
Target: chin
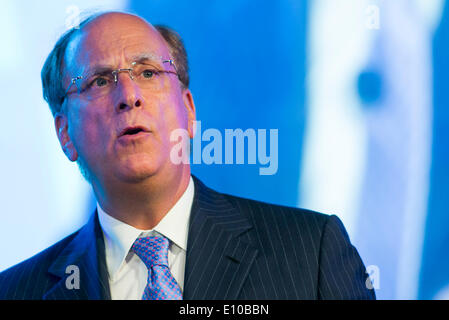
[135,176]
[137,168]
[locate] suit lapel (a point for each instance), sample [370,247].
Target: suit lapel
[218,260]
[217,263]
[85,253]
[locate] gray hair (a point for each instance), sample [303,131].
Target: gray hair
[52,71]
[178,53]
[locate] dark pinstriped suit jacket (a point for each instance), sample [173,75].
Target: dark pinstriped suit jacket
[237,249]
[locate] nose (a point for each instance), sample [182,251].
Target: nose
[128,93]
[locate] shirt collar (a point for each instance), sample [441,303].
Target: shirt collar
[119,236]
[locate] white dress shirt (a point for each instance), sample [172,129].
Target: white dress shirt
[127,273]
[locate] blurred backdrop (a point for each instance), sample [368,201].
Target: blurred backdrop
[356,88]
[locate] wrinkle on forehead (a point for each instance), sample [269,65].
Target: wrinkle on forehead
[111,38]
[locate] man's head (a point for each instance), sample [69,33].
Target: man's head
[119,130]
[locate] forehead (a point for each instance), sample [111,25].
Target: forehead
[114,40]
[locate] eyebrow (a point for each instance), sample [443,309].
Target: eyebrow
[98,70]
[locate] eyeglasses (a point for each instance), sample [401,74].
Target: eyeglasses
[102,83]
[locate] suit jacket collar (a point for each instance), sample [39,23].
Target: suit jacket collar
[86,253]
[217,263]
[218,258]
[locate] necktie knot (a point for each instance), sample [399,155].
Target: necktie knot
[152,250]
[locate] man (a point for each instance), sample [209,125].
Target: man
[117,88]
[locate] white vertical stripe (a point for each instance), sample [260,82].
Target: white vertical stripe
[422,17]
[334,148]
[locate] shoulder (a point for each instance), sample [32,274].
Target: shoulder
[253,209]
[285,224]
[18,281]
[272,225]
[279,225]
[320,240]
[271,215]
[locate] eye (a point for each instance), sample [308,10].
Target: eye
[100,82]
[148,73]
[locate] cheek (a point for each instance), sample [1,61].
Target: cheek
[177,114]
[167,112]
[88,132]
[175,120]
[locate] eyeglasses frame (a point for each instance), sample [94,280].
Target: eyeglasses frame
[115,73]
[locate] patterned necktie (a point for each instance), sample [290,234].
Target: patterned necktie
[161,284]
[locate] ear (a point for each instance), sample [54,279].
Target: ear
[61,126]
[190,108]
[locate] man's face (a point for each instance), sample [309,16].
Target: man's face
[91,130]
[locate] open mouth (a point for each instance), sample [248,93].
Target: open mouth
[129,131]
